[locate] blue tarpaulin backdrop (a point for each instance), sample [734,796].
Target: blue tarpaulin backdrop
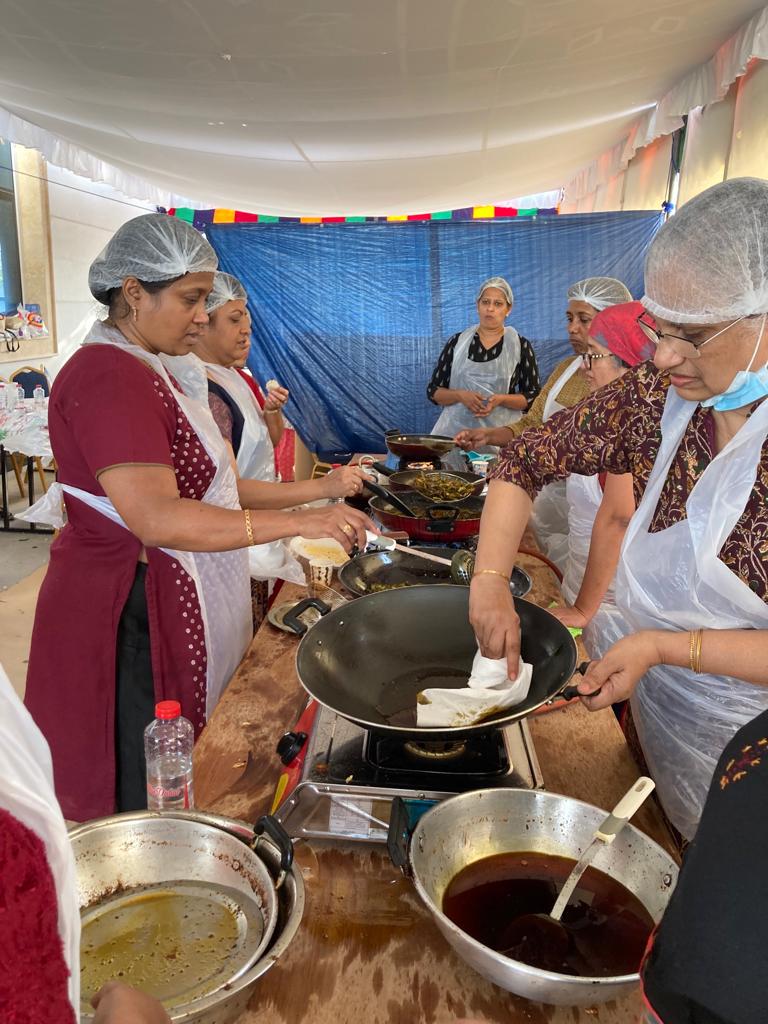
[352,317]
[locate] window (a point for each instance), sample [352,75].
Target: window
[10,267]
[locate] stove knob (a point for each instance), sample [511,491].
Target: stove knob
[289,746]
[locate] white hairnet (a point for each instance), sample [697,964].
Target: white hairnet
[599,292]
[710,261]
[153,247]
[226,288]
[500,283]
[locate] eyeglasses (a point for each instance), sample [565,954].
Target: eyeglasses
[685,346]
[589,357]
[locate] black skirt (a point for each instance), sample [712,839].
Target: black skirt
[134,698]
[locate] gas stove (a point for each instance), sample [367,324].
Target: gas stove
[345,784]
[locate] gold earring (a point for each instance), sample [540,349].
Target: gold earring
[135,313]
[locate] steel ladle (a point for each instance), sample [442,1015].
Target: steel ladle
[543,936]
[461,563]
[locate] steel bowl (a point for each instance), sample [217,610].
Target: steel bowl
[138,850]
[478,824]
[397,567]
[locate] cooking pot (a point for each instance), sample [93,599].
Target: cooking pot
[127,858]
[374,570]
[370,658]
[474,825]
[423,447]
[442,521]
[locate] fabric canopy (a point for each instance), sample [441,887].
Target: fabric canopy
[352,318]
[350,107]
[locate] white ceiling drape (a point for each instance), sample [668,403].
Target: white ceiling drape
[343,107]
[706,84]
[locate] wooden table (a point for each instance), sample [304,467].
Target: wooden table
[367,950]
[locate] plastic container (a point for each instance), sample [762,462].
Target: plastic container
[168,742]
[39,396]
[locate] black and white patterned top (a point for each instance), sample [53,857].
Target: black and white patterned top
[524,380]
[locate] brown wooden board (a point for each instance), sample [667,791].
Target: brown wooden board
[367,951]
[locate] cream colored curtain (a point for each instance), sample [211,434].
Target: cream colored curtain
[749,143]
[707,146]
[610,197]
[647,176]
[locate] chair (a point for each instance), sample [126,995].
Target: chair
[29,377]
[16,463]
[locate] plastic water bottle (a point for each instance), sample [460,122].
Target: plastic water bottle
[168,743]
[20,394]
[39,396]
[3,396]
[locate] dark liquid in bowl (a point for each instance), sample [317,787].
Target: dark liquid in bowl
[606,928]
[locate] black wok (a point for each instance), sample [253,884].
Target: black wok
[424,447]
[370,658]
[366,573]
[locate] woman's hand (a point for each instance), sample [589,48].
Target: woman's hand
[493,401]
[620,670]
[276,399]
[474,402]
[342,483]
[344,524]
[116,1003]
[572,617]
[471,440]
[494,620]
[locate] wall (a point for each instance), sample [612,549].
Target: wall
[64,222]
[84,215]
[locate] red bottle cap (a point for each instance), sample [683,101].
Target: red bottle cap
[168,709]
[335,465]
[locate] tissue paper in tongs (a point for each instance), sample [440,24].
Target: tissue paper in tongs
[488,691]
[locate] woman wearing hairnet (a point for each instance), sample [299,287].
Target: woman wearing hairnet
[224,342]
[692,581]
[600,507]
[487,374]
[147,595]
[566,386]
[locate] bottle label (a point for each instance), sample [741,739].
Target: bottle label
[161,793]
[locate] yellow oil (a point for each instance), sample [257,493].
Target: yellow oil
[176,943]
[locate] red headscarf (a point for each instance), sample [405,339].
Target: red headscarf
[618,330]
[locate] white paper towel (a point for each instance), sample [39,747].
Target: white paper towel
[488,691]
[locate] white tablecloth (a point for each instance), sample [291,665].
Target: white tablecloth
[25,429]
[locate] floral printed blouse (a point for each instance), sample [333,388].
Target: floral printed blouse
[618,430]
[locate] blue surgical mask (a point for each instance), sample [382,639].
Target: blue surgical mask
[746,388]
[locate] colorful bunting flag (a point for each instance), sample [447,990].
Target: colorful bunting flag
[202,218]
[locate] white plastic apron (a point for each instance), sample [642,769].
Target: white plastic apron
[674,580]
[255,459]
[549,518]
[26,792]
[584,495]
[487,379]
[221,578]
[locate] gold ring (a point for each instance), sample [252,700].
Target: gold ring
[348,528]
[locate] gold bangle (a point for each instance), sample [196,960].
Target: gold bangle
[695,639]
[248,527]
[699,638]
[491,572]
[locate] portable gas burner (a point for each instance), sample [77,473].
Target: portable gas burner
[341,779]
